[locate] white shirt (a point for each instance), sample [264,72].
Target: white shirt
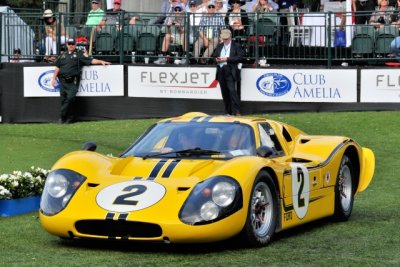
[225,52]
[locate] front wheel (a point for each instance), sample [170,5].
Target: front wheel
[262,213]
[344,190]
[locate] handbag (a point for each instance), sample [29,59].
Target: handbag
[340,38]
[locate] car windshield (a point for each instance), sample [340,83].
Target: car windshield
[194,139]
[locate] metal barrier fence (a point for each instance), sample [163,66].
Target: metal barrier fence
[296,38]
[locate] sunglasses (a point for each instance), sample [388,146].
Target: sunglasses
[95,3]
[69,43]
[117,4]
[211,7]
[178,10]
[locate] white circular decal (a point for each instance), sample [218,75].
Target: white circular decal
[300,189]
[130,196]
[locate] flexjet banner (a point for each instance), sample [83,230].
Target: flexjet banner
[95,81]
[299,85]
[380,86]
[174,82]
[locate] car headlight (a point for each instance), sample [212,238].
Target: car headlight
[60,186]
[211,201]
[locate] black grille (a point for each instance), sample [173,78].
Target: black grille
[119,228]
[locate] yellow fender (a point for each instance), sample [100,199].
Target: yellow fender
[367,172]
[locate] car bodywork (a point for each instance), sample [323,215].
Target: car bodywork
[206,195]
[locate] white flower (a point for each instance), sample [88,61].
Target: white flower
[17,173]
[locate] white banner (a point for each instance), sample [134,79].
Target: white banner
[96,81]
[299,85]
[380,86]
[174,82]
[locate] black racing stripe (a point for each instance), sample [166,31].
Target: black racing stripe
[123,216]
[110,216]
[195,119]
[336,150]
[112,238]
[327,161]
[157,169]
[170,168]
[207,119]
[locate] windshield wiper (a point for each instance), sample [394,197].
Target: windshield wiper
[191,151]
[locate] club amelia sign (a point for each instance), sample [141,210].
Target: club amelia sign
[95,81]
[299,85]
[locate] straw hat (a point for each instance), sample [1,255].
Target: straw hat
[48,14]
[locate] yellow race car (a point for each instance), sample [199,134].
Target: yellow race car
[199,178]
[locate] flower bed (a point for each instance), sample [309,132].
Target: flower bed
[22,184]
[20,191]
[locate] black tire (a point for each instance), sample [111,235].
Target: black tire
[344,190]
[263,204]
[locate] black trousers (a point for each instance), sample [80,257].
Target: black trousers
[228,89]
[68,91]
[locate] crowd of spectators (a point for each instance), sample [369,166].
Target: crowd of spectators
[209,18]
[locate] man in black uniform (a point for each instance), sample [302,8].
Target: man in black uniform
[68,70]
[229,56]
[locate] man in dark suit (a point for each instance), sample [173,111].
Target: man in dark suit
[229,56]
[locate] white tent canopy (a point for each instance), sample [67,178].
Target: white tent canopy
[15,33]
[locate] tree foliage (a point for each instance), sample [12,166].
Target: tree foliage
[22,3]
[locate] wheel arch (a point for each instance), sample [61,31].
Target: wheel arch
[354,156]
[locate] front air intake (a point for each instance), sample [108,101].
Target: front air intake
[124,229]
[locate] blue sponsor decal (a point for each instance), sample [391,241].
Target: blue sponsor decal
[44,82]
[273,84]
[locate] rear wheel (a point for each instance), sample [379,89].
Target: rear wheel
[262,213]
[344,190]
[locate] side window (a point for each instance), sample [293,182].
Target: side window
[268,137]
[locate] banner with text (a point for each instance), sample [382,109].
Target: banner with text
[96,81]
[299,85]
[380,86]
[174,82]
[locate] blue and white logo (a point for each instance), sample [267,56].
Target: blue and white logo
[273,84]
[45,82]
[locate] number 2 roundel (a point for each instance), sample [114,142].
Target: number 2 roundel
[300,189]
[130,196]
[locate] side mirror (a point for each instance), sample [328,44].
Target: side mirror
[265,151]
[89,146]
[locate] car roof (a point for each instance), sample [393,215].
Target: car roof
[203,117]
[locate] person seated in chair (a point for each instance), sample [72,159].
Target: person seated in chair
[382,16]
[112,16]
[265,6]
[175,33]
[51,28]
[210,27]
[237,18]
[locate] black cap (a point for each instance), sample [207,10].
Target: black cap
[71,41]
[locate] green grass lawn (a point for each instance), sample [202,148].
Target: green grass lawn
[369,238]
